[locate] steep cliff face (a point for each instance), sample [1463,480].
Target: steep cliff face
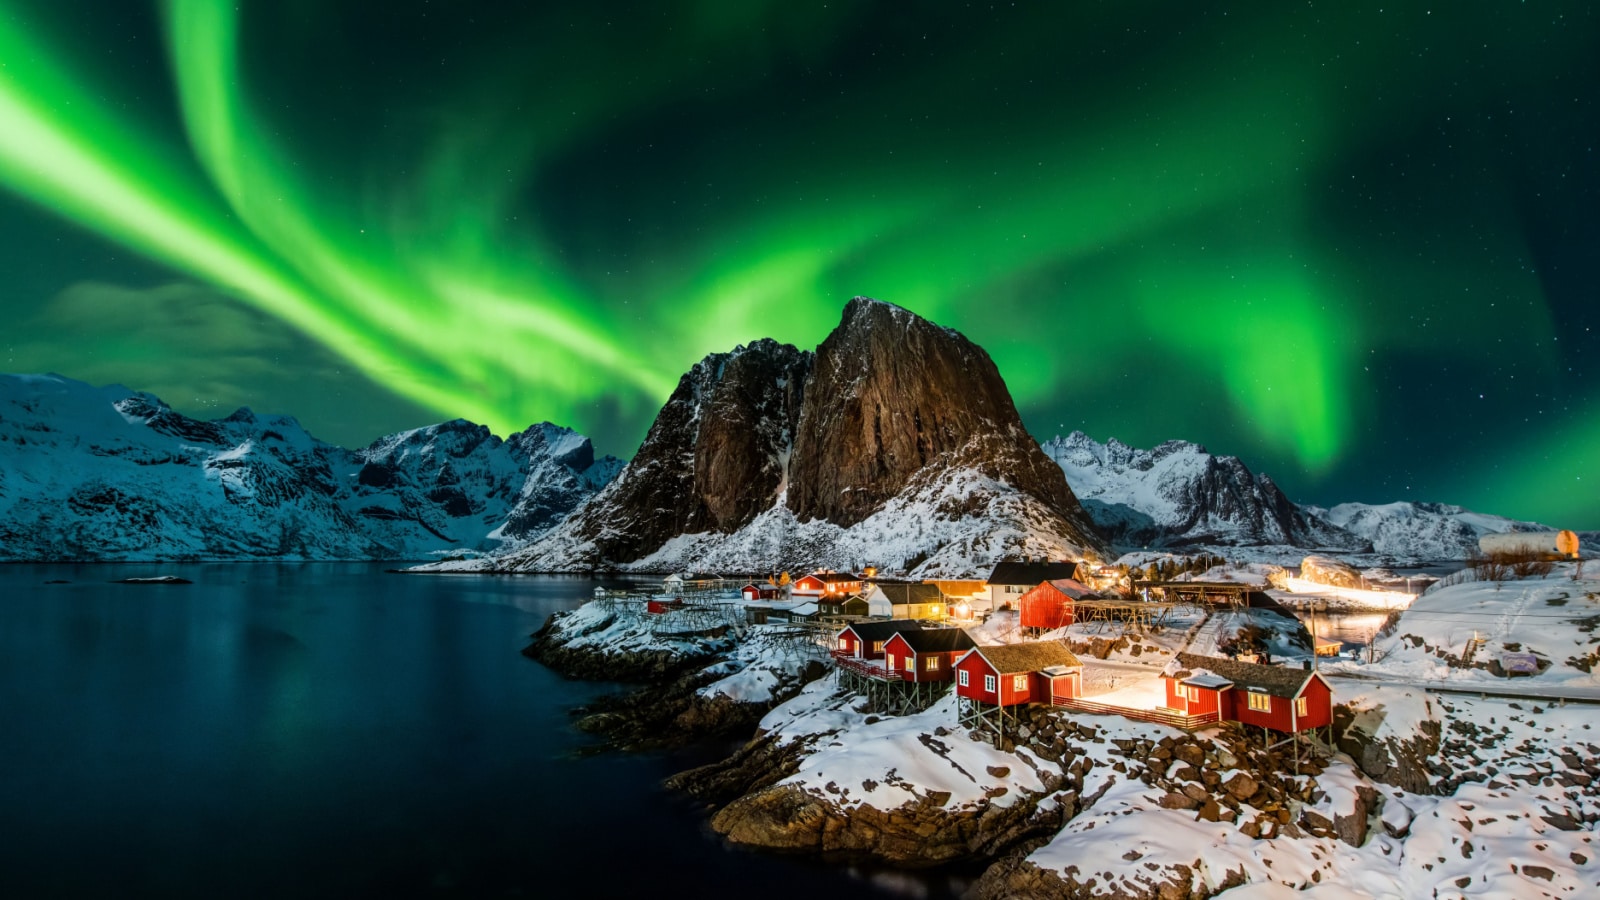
[893,394]
[715,457]
[92,473]
[896,444]
[1177,494]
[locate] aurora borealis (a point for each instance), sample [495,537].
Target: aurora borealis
[1352,243]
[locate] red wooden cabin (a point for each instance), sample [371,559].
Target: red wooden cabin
[1277,697]
[755,591]
[927,655]
[1051,603]
[826,584]
[866,640]
[1012,674]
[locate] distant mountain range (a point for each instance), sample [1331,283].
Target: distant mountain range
[91,473]
[895,443]
[1177,497]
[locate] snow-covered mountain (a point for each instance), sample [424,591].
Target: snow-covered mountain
[1420,530]
[106,473]
[895,444]
[1178,495]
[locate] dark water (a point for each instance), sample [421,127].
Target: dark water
[327,731]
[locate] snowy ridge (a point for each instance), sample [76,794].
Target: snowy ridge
[1420,530]
[108,473]
[1179,495]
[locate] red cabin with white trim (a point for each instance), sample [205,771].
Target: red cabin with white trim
[927,655]
[755,591]
[866,640]
[1014,674]
[1280,698]
[826,584]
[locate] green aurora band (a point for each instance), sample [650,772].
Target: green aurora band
[1097,227]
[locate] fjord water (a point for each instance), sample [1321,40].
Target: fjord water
[325,730]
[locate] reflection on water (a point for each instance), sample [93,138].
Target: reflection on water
[1352,629]
[325,730]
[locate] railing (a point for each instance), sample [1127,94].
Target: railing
[864,667]
[1160,717]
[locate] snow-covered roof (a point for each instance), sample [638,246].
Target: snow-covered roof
[1210,680]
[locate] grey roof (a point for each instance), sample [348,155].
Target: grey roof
[1208,680]
[884,629]
[939,640]
[1031,656]
[1279,681]
[900,592]
[1030,573]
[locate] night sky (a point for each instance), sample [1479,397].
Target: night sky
[1357,244]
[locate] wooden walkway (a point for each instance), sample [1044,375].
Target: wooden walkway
[1158,716]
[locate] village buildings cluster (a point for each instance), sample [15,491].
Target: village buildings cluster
[903,645]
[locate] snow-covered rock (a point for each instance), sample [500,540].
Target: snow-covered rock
[1179,495]
[895,444]
[1422,531]
[107,473]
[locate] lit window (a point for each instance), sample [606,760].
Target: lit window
[911,664]
[844,643]
[1260,702]
[877,646]
[1019,682]
[961,677]
[1300,706]
[931,664]
[989,683]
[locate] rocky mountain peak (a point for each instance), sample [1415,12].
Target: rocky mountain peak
[713,459]
[896,442]
[891,394]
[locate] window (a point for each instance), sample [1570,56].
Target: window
[877,646]
[961,677]
[844,643]
[1019,682]
[989,683]
[911,663]
[1300,706]
[931,664]
[1260,702]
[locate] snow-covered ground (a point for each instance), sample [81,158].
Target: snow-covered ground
[1554,618]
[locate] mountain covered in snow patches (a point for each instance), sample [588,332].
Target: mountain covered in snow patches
[896,444]
[1178,495]
[107,473]
[1420,530]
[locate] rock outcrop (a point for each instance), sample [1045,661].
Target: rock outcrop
[713,459]
[896,443]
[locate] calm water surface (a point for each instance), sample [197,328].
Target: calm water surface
[328,730]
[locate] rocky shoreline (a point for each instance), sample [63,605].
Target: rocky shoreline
[1038,808]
